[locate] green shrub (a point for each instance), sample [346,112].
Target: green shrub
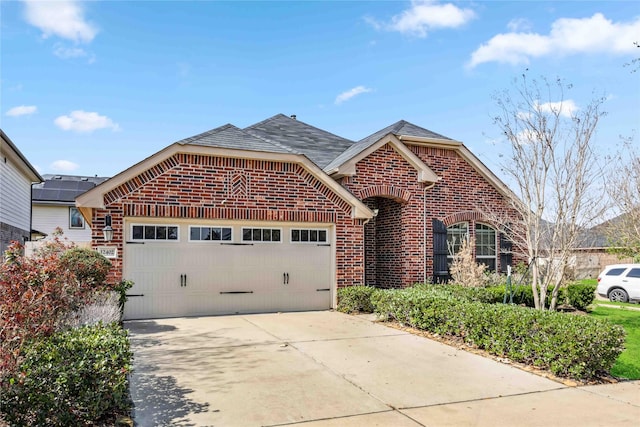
[73,377]
[580,295]
[355,299]
[89,266]
[579,347]
[121,288]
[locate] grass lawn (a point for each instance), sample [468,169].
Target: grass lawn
[628,364]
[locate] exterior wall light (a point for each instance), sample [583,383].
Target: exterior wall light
[375,212]
[107,231]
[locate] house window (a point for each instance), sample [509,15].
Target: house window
[306,235]
[154,232]
[456,234]
[261,235]
[75,218]
[486,246]
[215,234]
[485,243]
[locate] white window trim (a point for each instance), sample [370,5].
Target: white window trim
[317,242]
[71,227]
[210,241]
[131,238]
[260,241]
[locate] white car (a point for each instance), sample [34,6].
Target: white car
[620,282]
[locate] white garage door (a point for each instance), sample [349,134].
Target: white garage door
[191,269]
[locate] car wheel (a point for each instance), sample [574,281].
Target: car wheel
[618,295]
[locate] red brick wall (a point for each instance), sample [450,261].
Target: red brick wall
[460,195]
[206,187]
[386,180]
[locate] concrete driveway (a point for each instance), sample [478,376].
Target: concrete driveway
[330,369]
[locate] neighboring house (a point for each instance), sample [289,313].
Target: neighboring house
[593,252]
[53,203]
[280,214]
[16,177]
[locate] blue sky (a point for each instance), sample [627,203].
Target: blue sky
[91,88]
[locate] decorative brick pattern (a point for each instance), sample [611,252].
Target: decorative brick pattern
[400,195]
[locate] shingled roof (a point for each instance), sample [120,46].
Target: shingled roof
[230,136]
[399,128]
[320,146]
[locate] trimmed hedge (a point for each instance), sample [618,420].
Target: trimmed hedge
[573,346]
[355,299]
[580,295]
[74,377]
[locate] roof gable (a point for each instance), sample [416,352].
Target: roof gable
[95,198]
[399,129]
[425,174]
[320,146]
[18,159]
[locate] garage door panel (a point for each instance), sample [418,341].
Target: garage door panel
[276,276]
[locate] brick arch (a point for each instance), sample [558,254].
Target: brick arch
[400,195]
[465,216]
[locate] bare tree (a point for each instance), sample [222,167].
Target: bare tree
[554,177]
[623,232]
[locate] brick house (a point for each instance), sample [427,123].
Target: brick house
[280,214]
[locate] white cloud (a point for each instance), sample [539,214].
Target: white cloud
[85,121]
[424,16]
[564,108]
[63,166]
[519,24]
[596,34]
[347,95]
[61,18]
[65,52]
[22,110]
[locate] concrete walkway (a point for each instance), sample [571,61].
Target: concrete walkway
[330,369]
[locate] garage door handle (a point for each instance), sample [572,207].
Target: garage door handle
[135,295]
[236,292]
[285,278]
[323,244]
[183,280]
[134,243]
[323,290]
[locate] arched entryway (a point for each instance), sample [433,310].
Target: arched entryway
[384,243]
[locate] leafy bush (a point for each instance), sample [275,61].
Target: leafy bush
[580,296]
[74,377]
[89,266]
[355,299]
[574,346]
[35,293]
[122,288]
